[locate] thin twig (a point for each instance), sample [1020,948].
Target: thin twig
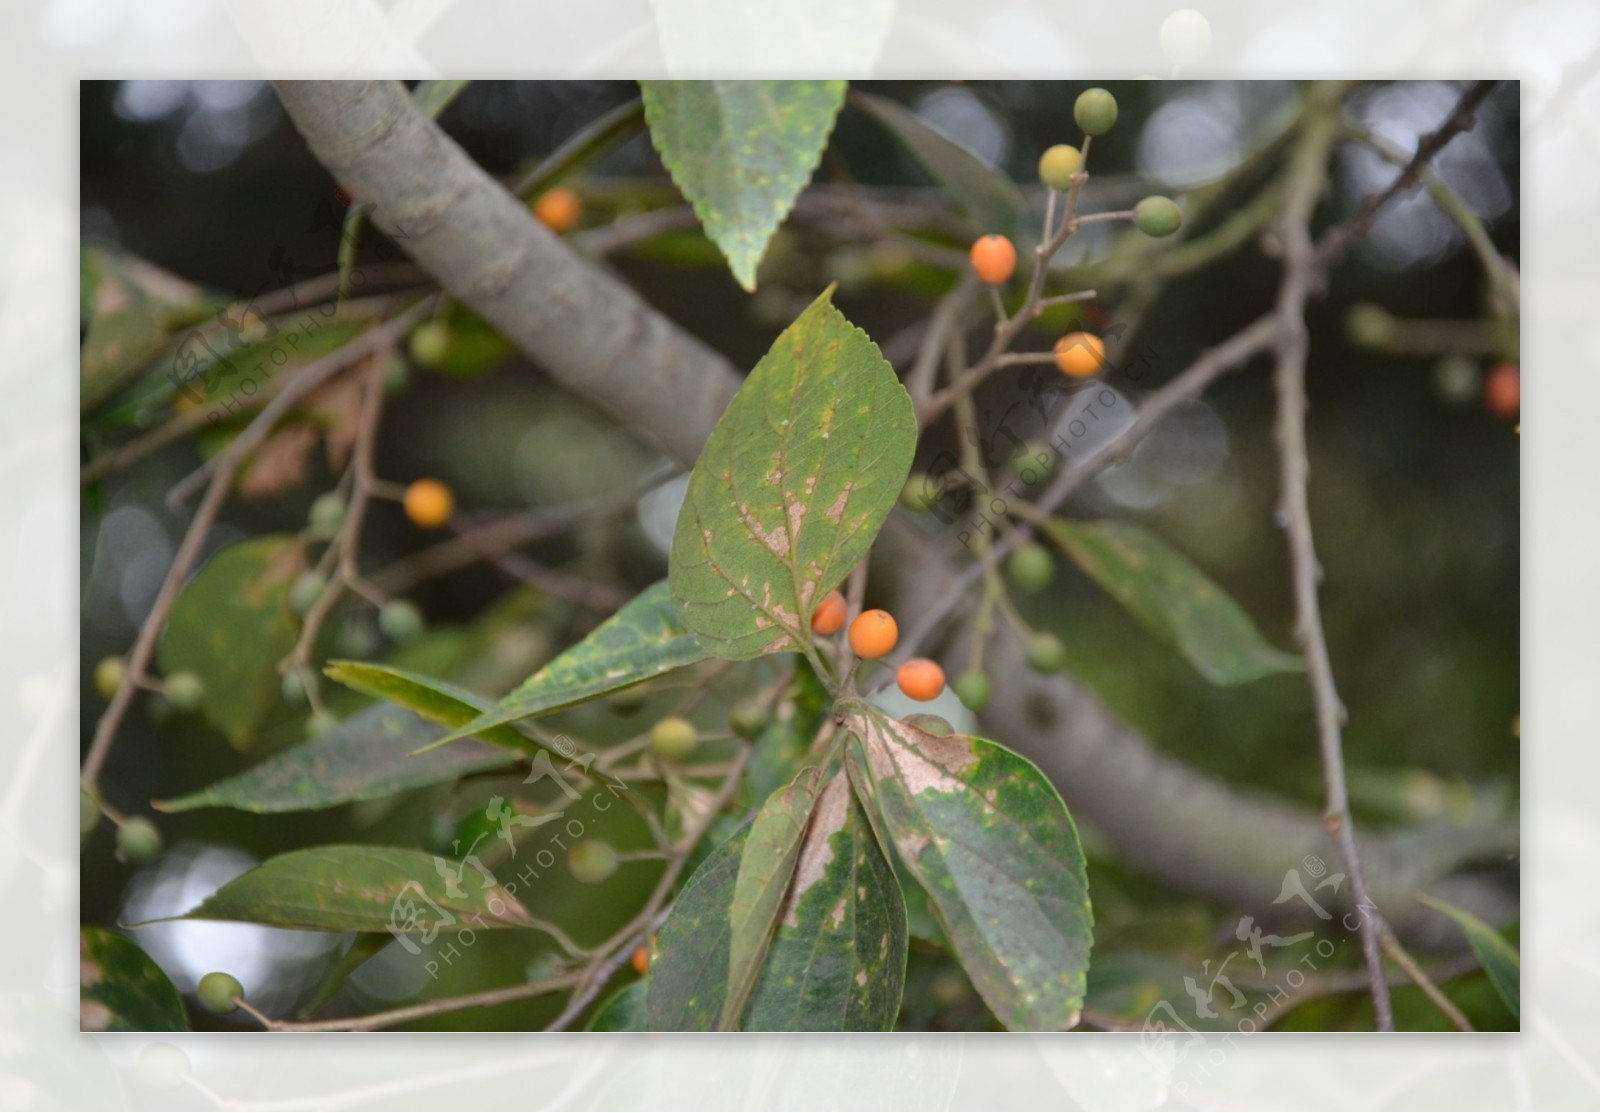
[372,1022]
[1402,958]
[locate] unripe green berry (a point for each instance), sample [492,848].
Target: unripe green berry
[749,718]
[88,810]
[320,723]
[430,342]
[1457,381]
[673,738]
[930,724]
[400,621]
[138,841]
[1034,462]
[1058,165]
[327,512]
[1045,652]
[109,675]
[306,590]
[185,690]
[1157,216]
[1369,325]
[1031,567]
[1095,111]
[592,861]
[217,991]
[920,494]
[293,689]
[973,690]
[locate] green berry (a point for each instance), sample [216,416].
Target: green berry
[1369,325]
[400,621]
[320,723]
[1456,380]
[930,724]
[88,810]
[673,738]
[327,512]
[1045,652]
[628,701]
[430,343]
[109,675]
[1058,165]
[592,861]
[306,590]
[1095,111]
[920,494]
[185,690]
[138,841]
[749,719]
[1031,567]
[1157,216]
[1034,462]
[217,991]
[294,689]
[973,690]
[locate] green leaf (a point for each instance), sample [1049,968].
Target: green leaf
[130,308]
[433,97]
[582,148]
[776,756]
[365,888]
[837,960]
[624,1011]
[988,838]
[435,700]
[991,200]
[765,868]
[1172,598]
[231,625]
[1499,958]
[741,152]
[121,989]
[369,755]
[641,641]
[794,484]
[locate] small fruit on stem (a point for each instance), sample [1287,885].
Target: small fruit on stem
[920,494]
[109,675]
[749,718]
[1157,216]
[1080,354]
[429,503]
[828,618]
[185,690]
[994,259]
[673,738]
[430,342]
[138,841]
[327,512]
[1031,567]
[920,678]
[306,589]
[1502,390]
[400,621]
[641,960]
[873,634]
[592,861]
[1095,111]
[973,690]
[559,209]
[1057,166]
[1045,652]
[217,992]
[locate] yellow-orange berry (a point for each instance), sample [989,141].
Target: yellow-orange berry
[1502,390]
[1080,354]
[641,960]
[994,259]
[828,618]
[559,209]
[873,634]
[920,678]
[429,503]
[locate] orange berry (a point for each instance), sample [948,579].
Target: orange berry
[994,259]
[873,634]
[920,679]
[1502,390]
[429,503]
[641,960]
[828,618]
[559,209]
[1080,354]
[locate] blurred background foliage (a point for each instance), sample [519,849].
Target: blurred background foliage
[1414,495]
